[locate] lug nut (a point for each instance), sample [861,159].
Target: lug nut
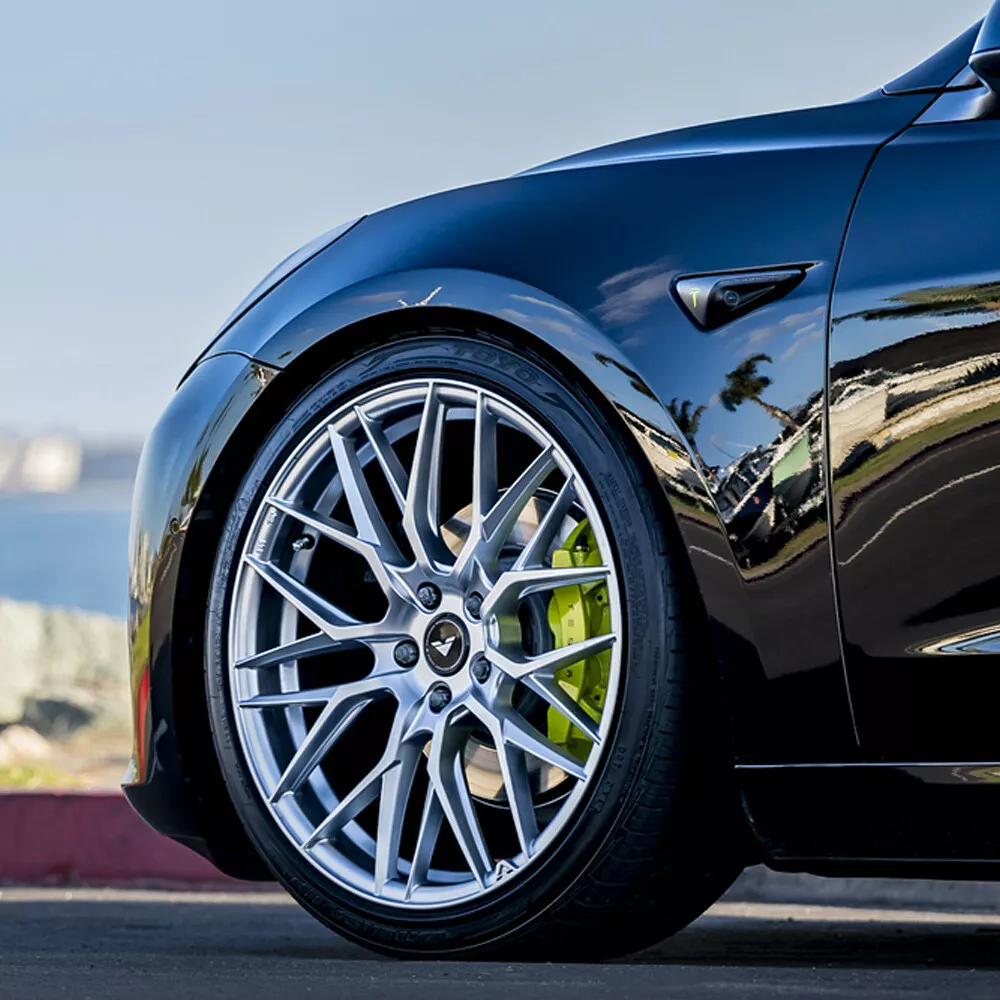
[428,595]
[474,606]
[481,669]
[439,697]
[406,653]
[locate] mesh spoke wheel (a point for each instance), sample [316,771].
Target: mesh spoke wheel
[413,723]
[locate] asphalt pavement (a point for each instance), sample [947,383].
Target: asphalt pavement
[127,944]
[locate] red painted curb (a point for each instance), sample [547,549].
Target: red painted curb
[87,838]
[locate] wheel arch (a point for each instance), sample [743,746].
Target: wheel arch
[480,306]
[292,359]
[335,326]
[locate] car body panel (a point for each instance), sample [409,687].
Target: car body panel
[171,779]
[909,820]
[915,446]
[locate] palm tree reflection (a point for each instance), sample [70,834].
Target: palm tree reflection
[688,421]
[745,382]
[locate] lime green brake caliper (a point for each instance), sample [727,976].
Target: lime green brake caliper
[575,614]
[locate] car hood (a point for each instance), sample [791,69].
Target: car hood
[866,121]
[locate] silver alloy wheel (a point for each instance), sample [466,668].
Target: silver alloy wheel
[452,674]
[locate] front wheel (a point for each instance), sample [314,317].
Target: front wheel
[448,666]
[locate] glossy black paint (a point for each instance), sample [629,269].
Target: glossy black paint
[915,445]
[907,821]
[579,260]
[173,781]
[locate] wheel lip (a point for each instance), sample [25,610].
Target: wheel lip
[571,810]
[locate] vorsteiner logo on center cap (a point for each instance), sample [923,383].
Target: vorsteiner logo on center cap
[443,648]
[446,644]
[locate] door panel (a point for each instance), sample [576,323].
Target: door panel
[915,446]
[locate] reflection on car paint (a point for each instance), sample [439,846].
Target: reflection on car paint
[176,458]
[915,446]
[975,641]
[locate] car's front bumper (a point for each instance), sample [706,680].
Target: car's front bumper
[173,780]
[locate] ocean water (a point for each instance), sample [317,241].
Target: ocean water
[68,550]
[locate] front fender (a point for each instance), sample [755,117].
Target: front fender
[426,297]
[581,262]
[173,781]
[582,258]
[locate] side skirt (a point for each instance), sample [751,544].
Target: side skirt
[913,820]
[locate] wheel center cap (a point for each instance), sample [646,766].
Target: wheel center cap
[446,645]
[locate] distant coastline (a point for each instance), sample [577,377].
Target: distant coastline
[59,464]
[67,550]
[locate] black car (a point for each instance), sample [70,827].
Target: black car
[520,563]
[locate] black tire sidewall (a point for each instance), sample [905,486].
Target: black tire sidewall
[589,436]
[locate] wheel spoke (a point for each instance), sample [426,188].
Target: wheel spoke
[519,732]
[364,793]
[335,719]
[421,515]
[427,838]
[447,774]
[532,556]
[334,622]
[546,686]
[324,615]
[396,755]
[290,699]
[396,785]
[297,649]
[499,521]
[338,532]
[368,520]
[386,456]
[515,585]
[484,461]
[515,778]
[484,482]
[519,666]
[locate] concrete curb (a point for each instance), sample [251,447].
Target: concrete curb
[80,838]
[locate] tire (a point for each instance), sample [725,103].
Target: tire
[654,837]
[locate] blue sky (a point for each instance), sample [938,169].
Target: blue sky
[157,159]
